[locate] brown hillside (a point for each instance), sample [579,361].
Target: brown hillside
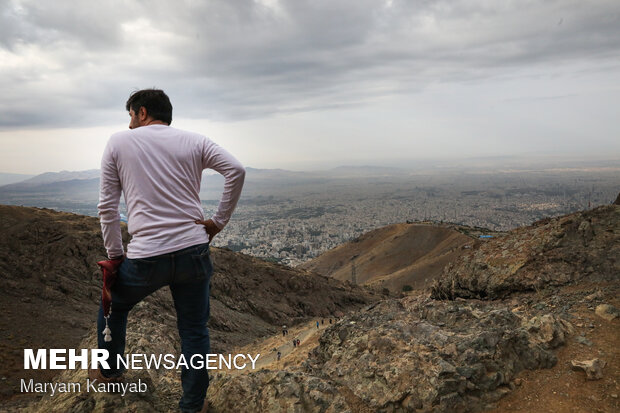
[50,287]
[394,256]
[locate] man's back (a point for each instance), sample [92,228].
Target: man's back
[159,169]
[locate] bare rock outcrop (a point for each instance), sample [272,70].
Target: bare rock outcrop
[413,355]
[552,252]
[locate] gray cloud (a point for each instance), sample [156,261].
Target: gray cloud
[67,63]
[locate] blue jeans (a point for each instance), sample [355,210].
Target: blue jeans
[187,272]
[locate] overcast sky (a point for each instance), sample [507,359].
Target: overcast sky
[302,84]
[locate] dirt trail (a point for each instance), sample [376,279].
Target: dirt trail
[308,335]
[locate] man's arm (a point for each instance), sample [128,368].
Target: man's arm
[217,158]
[109,198]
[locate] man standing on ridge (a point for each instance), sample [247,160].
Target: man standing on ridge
[159,169]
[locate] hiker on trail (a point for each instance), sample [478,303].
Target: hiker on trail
[330,321]
[294,343]
[297,342]
[317,324]
[279,355]
[158,169]
[284,330]
[322,321]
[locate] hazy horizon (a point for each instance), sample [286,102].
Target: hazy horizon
[539,161]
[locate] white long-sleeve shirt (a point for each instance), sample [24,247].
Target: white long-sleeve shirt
[159,169]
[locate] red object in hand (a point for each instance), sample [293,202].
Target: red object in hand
[109,268]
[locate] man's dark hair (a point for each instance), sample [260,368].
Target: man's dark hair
[155,101]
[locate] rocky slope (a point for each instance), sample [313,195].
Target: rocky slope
[50,287]
[552,252]
[395,256]
[440,351]
[428,354]
[408,355]
[423,355]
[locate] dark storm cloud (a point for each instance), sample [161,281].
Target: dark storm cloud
[69,62]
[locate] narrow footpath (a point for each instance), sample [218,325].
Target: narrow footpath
[308,335]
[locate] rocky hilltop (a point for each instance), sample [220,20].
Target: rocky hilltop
[398,256]
[552,252]
[50,287]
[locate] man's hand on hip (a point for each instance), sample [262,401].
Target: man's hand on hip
[210,227]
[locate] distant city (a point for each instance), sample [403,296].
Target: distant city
[300,227]
[291,217]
